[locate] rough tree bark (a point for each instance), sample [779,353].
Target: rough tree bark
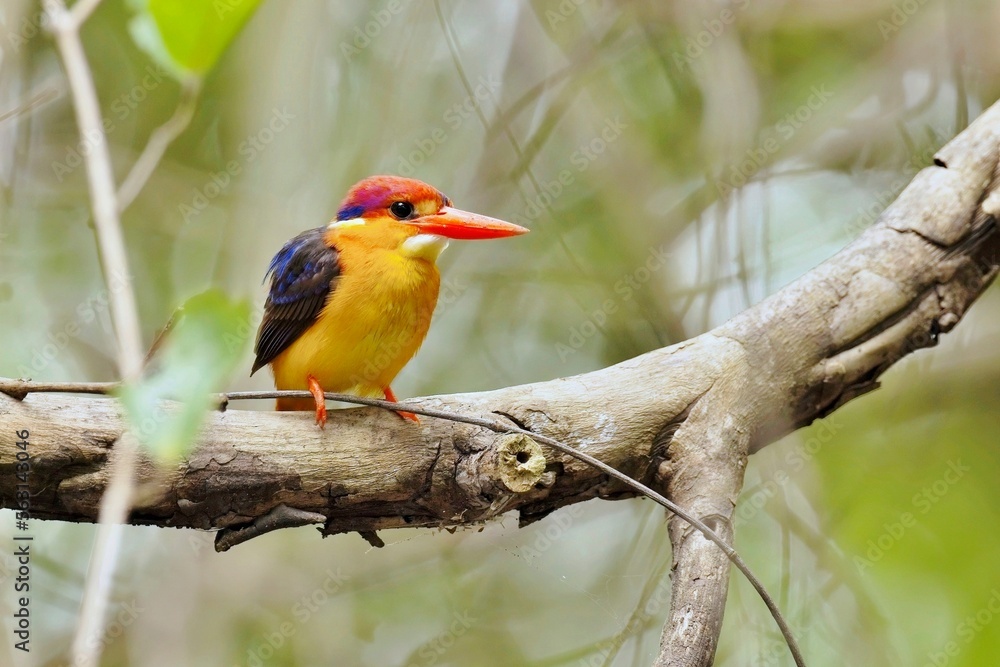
[683,419]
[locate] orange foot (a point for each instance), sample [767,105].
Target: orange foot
[389,396]
[317,392]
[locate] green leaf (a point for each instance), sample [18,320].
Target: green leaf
[200,349]
[188,36]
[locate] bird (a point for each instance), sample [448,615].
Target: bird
[350,302]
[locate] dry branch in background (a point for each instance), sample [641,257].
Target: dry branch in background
[682,419]
[65,26]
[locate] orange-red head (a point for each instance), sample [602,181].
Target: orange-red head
[413,203]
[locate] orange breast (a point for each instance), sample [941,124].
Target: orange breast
[373,323]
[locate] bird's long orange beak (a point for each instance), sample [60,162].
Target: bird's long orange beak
[457,224]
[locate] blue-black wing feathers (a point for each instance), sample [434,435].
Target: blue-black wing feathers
[302,276]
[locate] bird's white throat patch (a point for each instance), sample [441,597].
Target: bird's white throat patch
[353,222]
[424,246]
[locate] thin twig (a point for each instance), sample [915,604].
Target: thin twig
[45,94]
[82,10]
[497,426]
[117,498]
[102,190]
[20,388]
[159,140]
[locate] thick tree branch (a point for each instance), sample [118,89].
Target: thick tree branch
[684,417]
[820,342]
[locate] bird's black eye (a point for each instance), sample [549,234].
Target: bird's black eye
[401,210]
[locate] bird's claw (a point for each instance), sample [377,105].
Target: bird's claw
[391,396]
[408,415]
[317,391]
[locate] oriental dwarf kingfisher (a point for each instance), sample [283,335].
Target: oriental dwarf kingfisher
[351,302]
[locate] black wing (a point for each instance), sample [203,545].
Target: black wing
[302,276]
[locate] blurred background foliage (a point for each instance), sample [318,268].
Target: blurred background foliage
[677,162]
